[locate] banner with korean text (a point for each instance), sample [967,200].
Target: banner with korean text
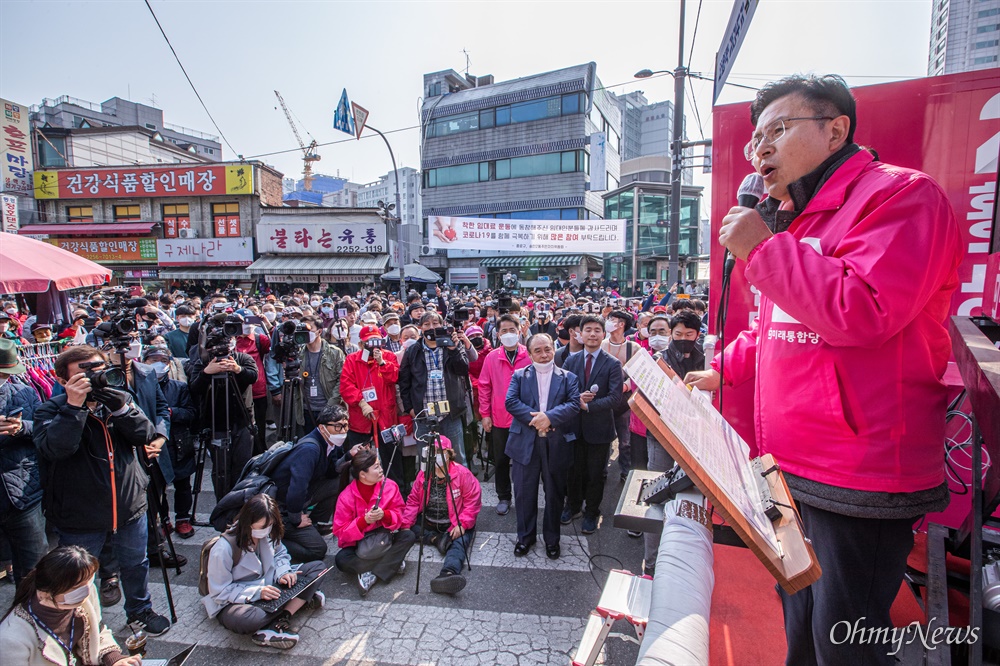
[187,180]
[204,251]
[111,250]
[15,148]
[317,237]
[577,236]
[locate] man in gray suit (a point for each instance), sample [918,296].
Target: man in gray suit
[544,401]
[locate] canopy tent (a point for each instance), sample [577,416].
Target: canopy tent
[414,273]
[28,266]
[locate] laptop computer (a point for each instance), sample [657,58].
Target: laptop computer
[176,660]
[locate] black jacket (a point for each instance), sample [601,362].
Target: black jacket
[304,465]
[81,495]
[20,485]
[596,424]
[413,378]
[200,384]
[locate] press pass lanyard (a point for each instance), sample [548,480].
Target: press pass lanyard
[45,628]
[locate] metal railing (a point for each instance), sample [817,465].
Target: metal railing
[191,132]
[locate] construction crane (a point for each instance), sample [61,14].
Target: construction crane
[309,154]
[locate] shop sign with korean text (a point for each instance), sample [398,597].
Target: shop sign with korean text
[313,237]
[110,250]
[563,236]
[11,220]
[204,251]
[191,180]
[15,148]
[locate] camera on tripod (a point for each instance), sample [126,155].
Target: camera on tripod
[394,435]
[100,379]
[220,333]
[291,336]
[122,324]
[459,313]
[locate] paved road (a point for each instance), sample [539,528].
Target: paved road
[514,611]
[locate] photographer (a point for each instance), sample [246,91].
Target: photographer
[94,485]
[220,379]
[435,370]
[255,344]
[322,365]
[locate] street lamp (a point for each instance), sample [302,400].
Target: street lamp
[386,213]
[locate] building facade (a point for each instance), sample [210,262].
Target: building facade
[648,129]
[515,149]
[965,36]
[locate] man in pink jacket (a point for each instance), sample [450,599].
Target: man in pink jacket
[445,514]
[856,262]
[494,380]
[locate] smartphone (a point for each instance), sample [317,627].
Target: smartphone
[15,413]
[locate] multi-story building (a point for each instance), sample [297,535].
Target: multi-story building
[320,186]
[72,113]
[648,129]
[345,197]
[965,36]
[516,149]
[384,189]
[632,105]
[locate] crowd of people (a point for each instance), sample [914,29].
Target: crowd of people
[148,384]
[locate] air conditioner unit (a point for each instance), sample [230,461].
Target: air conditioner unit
[426,251]
[187,233]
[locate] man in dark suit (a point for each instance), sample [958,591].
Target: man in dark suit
[600,374]
[543,401]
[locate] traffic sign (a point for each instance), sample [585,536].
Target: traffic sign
[342,119]
[360,117]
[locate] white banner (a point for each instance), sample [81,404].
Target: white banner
[549,236]
[289,236]
[732,40]
[598,162]
[11,221]
[15,149]
[204,251]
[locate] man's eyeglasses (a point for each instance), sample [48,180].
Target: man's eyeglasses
[337,427]
[773,133]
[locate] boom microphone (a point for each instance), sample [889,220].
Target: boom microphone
[748,196]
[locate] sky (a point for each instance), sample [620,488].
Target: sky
[238,53]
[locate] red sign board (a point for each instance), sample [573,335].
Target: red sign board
[198,180]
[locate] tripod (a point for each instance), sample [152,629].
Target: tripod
[429,474]
[290,387]
[220,460]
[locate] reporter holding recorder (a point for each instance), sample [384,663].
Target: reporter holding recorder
[856,262]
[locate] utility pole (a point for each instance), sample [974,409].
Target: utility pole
[675,161]
[395,218]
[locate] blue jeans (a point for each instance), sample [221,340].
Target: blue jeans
[25,530]
[454,558]
[450,427]
[129,545]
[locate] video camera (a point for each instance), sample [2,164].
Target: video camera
[460,312]
[220,331]
[122,324]
[441,335]
[394,435]
[291,336]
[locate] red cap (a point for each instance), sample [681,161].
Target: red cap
[369,332]
[659,309]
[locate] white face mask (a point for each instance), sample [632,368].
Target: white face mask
[336,439]
[392,329]
[644,332]
[338,333]
[577,337]
[544,367]
[611,325]
[77,595]
[659,342]
[161,369]
[247,329]
[409,343]
[262,533]
[13,311]
[270,315]
[313,335]
[509,339]
[440,461]
[185,321]
[326,311]
[315,304]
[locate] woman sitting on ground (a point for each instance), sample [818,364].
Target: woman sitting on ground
[249,563]
[371,547]
[56,614]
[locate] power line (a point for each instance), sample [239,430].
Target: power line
[694,37]
[190,82]
[697,114]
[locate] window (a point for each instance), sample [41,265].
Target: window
[455,175]
[988,28]
[571,103]
[988,12]
[80,214]
[175,218]
[549,107]
[987,44]
[226,219]
[486,118]
[503,169]
[51,150]
[463,122]
[210,151]
[128,214]
[516,167]
[535,165]
[503,115]
[569,161]
[150,126]
[434,89]
[984,60]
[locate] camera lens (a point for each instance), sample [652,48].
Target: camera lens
[112,377]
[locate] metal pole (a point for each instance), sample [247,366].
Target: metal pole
[636,194]
[675,162]
[397,218]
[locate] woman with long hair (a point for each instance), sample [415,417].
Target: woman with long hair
[56,617]
[247,564]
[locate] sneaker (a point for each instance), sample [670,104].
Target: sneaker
[110,593]
[324,529]
[448,582]
[169,561]
[278,635]
[365,582]
[568,515]
[635,534]
[272,425]
[402,568]
[503,506]
[318,601]
[184,528]
[150,622]
[589,525]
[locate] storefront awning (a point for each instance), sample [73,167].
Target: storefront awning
[362,266]
[104,229]
[207,274]
[533,261]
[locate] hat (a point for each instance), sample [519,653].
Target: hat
[39,326]
[659,309]
[290,310]
[369,318]
[445,442]
[415,306]
[392,314]
[10,364]
[474,330]
[156,350]
[4,315]
[369,332]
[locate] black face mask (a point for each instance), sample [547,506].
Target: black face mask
[684,346]
[477,342]
[564,335]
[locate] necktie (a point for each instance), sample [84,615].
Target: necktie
[587,369]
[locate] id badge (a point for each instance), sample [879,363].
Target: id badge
[437,375]
[369,394]
[313,391]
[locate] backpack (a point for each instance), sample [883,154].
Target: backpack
[206,550]
[254,480]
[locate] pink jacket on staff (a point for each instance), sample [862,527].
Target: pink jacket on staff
[351,506]
[465,491]
[849,347]
[494,381]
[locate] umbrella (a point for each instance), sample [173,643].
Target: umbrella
[414,273]
[31,266]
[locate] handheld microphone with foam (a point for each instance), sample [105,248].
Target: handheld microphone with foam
[595,388]
[748,196]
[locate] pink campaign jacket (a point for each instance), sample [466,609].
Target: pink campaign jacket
[494,381]
[849,347]
[350,506]
[465,491]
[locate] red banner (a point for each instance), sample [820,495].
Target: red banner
[186,180]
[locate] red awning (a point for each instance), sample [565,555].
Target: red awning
[30,266]
[105,229]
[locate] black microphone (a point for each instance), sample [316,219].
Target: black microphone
[748,196]
[133,303]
